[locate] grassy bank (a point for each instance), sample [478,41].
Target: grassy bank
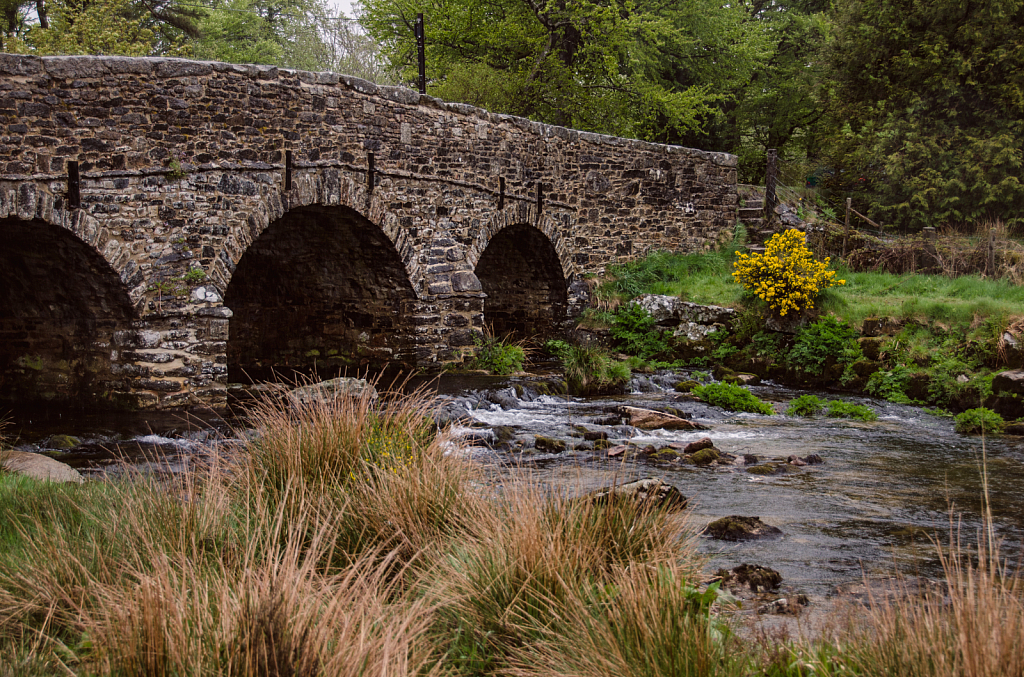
[928,338]
[344,540]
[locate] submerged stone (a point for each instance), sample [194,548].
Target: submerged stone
[739,528]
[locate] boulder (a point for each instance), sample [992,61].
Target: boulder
[39,467]
[650,491]
[648,419]
[757,577]
[1009,383]
[671,311]
[705,456]
[62,442]
[743,379]
[548,444]
[327,391]
[694,447]
[739,528]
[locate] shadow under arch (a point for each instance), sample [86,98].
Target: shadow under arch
[61,303]
[320,289]
[521,273]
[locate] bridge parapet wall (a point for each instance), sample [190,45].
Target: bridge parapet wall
[183,167]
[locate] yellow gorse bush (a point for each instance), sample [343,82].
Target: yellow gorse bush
[786,276]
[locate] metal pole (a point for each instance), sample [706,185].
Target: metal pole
[420,53]
[74,185]
[770,178]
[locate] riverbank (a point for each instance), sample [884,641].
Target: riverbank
[429,562]
[927,339]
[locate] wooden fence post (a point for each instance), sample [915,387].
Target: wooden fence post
[991,252]
[846,233]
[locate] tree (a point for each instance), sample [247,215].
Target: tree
[613,66]
[928,107]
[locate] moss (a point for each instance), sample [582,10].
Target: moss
[686,386]
[550,444]
[603,444]
[705,456]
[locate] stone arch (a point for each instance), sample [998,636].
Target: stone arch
[525,213]
[30,201]
[524,277]
[64,310]
[325,187]
[320,287]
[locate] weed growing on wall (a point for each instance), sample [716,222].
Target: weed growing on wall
[786,276]
[499,356]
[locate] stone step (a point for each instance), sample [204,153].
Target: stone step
[753,204]
[749,213]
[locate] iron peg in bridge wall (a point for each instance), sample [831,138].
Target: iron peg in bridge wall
[540,197]
[501,193]
[74,185]
[420,52]
[370,178]
[287,170]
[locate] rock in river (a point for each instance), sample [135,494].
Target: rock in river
[326,391]
[739,528]
[651,490]
[647,419]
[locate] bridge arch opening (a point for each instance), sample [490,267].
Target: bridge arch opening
[526,289]
[322,290]
[61,303]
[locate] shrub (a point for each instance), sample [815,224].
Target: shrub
[979,420]
[840,409]
[499,356]
[827,339]
[890,385]
[636,332]
[732,397]
[785,276]
[805,405]
[590,370]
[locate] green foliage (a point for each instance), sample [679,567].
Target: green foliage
[890,384]
[636,332]
[979,421]
[805,405]
[618,68]
[840,409]
[732,397]
[829,340]
[195,276]
[589,370]
[498,356]
[928,109]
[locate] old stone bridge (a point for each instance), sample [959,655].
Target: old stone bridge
[168,225]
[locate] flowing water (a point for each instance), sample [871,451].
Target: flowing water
[883,489]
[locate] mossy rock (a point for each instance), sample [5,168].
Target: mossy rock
[603,444]
[705,456]
[549,444]
[757,577]
[665,454]
[63,442]
[777,468]
[740,528]
[686,386]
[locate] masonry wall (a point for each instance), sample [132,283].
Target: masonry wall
[183,167]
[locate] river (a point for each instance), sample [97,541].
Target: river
[883,489]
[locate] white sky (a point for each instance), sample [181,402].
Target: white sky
[344,6]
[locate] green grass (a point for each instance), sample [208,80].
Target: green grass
[707,278]
[959,301]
